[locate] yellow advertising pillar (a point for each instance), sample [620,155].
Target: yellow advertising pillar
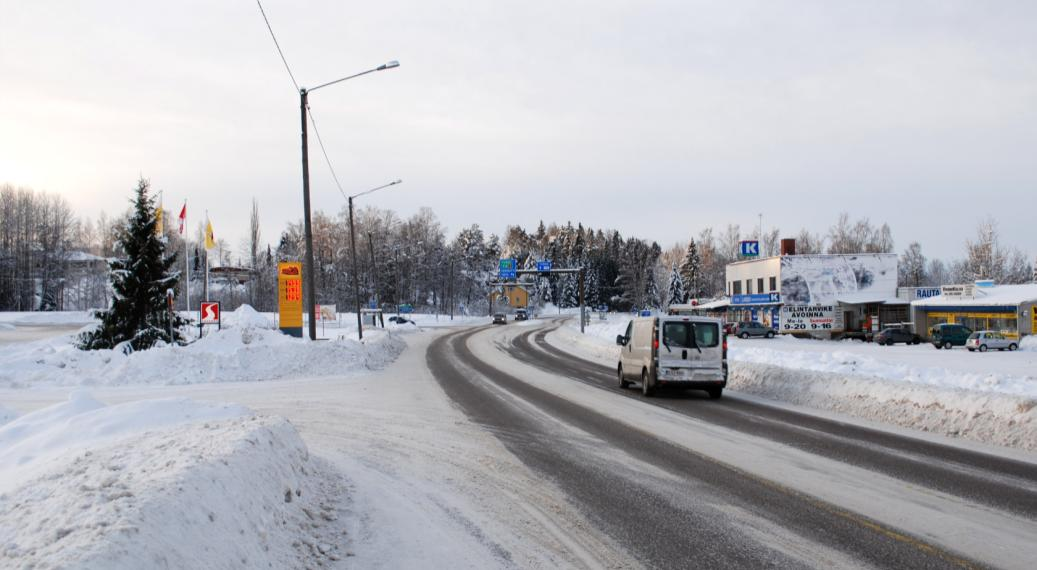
[289,297]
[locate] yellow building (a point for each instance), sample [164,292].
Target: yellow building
[515,296]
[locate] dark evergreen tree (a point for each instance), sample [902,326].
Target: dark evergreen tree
[675,293]
[138,313]
[691,272]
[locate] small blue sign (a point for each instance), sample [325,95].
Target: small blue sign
[373,305]
[507,269]
[750,248]
[758,299]
[544,266]
[406,308]
[646,313]
[603,308]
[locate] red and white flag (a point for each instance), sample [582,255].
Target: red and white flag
[183,218]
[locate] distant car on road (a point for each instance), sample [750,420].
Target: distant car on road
[500,319]
[892,335]
[946,335]
[521,315]
[753,328]
[985,340]
[399,320]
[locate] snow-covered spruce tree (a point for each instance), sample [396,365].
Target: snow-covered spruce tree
[691,272]
[140,280]
[675,293]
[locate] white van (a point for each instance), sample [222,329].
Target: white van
[674,352]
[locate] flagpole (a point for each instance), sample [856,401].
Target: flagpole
[206,248]
[187,259]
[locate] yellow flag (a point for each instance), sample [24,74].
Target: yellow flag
[210,240]
[159,228]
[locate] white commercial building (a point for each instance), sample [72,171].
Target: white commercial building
[815,294]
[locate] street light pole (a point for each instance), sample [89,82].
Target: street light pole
[310,296]
[352,245]
[311,290]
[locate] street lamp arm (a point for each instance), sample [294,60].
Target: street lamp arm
[382,67]
[393,183]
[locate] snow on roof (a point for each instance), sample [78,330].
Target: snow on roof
[718,304]
[865,298]
[84,256]
[985,296]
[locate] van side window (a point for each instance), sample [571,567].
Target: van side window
[630,330]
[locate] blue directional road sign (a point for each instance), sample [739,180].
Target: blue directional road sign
[758,299]
[544,266]
[507,269]
[750,248]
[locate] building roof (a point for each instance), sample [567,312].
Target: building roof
[985,296]
[868,298]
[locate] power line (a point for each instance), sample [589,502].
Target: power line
[313,121]
[263,12]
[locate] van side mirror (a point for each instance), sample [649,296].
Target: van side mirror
[621,340]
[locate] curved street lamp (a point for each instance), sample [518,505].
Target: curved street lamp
[352,245]
[308,266]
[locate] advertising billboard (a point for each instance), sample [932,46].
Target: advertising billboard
[828,279]
[811,318]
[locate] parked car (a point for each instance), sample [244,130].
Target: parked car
[946,335]
[521,315]
[753,328]
[500,319]
[985,340]
[399,320]
[673,352]
[892,335]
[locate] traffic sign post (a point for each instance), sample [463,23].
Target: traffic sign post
[209,314]
[507,269]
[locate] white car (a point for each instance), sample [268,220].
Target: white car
[985,340]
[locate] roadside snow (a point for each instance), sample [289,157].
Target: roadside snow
[988,397]
[162,483]
[246,348]
[46,317]
[6,415]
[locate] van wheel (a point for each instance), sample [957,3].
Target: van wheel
[938,347]
[947,344]
[647,390]
[1012,347]
[623,384]
[982,348]
[744,335]
[715,393]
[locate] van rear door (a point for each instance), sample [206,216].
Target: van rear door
[690,350]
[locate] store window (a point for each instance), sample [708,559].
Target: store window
[748,286]
[774,284]
[759,285]
[737,288]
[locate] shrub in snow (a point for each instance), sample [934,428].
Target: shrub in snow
[138,314]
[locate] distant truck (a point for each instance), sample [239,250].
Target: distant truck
[680,352]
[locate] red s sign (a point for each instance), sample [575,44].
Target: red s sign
[210,313]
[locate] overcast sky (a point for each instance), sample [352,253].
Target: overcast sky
[654,118]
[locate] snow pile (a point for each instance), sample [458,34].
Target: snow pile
[988,397]
[239,353]
[247,317]
[47,317]
[162,483]
[1028,343]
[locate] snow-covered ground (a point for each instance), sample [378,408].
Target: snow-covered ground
[246,348]
[355,468]
[990,397]
[162,483]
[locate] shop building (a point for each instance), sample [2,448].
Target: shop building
[821,295]
[982,305]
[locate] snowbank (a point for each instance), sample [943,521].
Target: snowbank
[244,350]
[162,483]
[46,317]
[988,397]
[6,415]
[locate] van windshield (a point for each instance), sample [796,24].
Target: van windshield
[688,335]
